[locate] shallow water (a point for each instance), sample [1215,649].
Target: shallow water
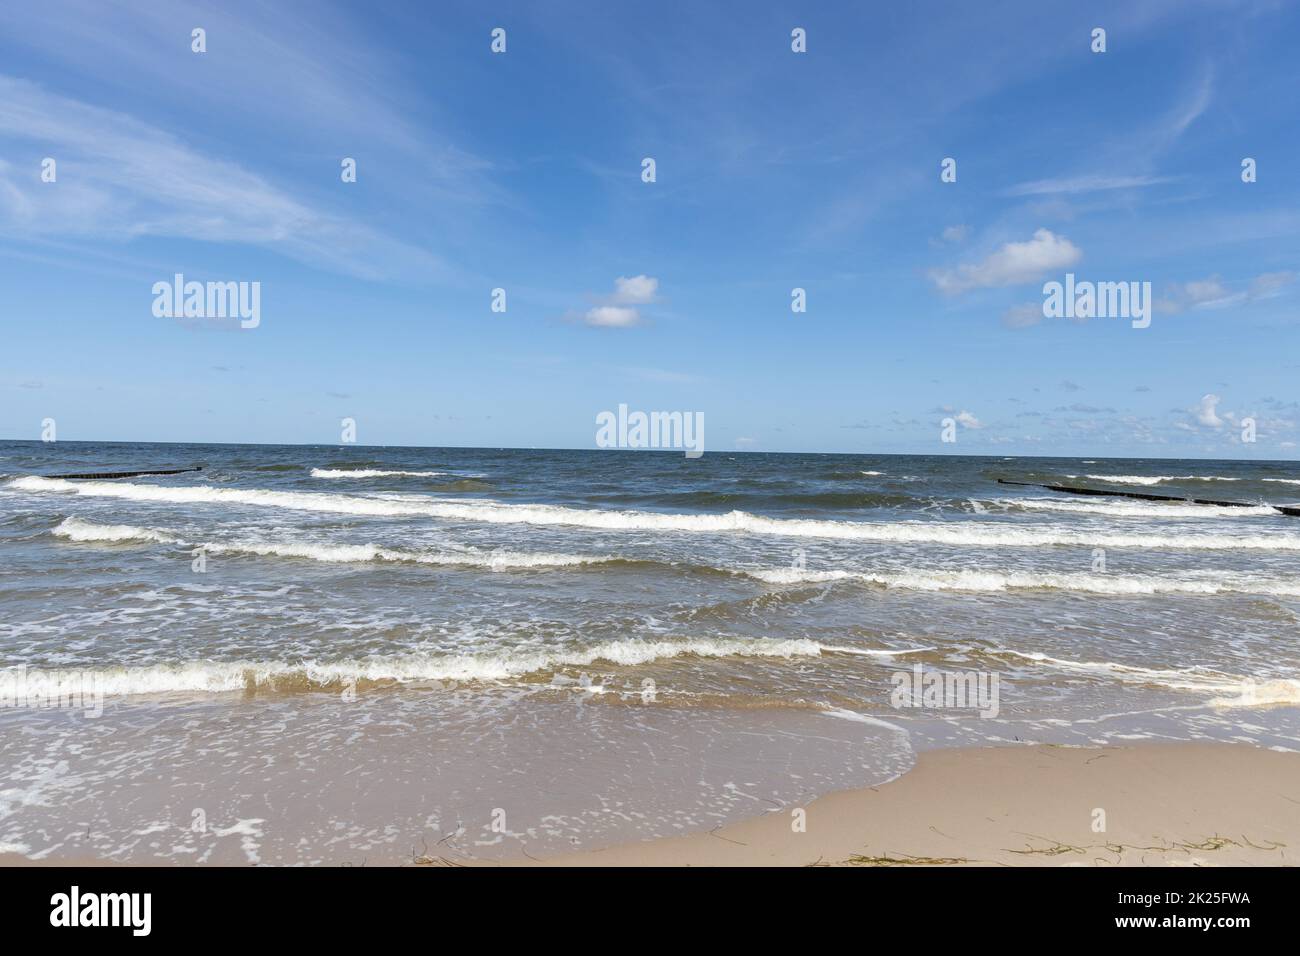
[343,654]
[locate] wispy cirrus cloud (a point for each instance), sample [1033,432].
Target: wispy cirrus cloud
[333,86]
[1083,184]
[1214,293]
[120,178]
[951,235]
[1138,153]
[661,376]
[1023,316]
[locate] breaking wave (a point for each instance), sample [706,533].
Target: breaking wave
[1139,509]
[218,677]
[1229,690]
[76,529]
[968,533]
[1152,479]
[991,581]
[373,473]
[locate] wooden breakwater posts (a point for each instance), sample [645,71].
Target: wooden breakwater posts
[125,474]
[1147,496]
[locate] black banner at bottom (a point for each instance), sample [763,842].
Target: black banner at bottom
[362,905]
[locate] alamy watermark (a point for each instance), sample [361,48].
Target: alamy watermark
[626,429]
[130,910]
[941,690]
[1098,300]
[56,689]
[179,299]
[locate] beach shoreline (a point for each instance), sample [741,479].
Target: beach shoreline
[1161,804]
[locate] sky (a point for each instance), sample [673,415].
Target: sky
[774,170]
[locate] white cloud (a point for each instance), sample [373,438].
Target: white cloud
[619,310]
[967,420]
[1206,412]
[1013,263]
[612,316]
[638,290]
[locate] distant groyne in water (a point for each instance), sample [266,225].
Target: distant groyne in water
[1147,496]
[124,474]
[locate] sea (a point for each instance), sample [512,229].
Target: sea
[347,655]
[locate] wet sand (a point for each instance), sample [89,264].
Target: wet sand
[1178,804]
[1164,805]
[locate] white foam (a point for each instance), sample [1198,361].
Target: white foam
[991,581]
[345,553]
[1140,509]
[372,473]
[971,533]
[75,529]
[1151,479]
[1244,691]
[218,677]
[1251,694]
[1157,479]
[845,714]
[873,651]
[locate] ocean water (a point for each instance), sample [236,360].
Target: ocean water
[321,654]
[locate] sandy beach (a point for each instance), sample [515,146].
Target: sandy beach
[1164,805]
[1182,804]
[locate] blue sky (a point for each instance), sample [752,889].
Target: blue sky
[775,170]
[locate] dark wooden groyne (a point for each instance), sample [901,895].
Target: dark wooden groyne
[127,474]
[1147,496]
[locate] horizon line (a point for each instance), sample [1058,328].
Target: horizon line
[663,451]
